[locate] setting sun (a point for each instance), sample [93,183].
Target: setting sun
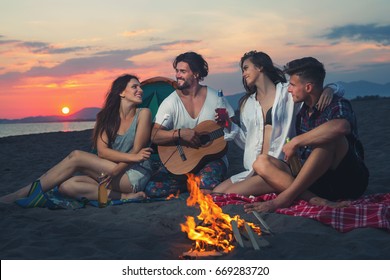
[65,110]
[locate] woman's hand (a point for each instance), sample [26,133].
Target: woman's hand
[143,154]
[325,98]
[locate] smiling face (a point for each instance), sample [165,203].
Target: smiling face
[250,72]
[133,92]
[184,76]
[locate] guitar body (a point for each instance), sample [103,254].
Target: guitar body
[190,160]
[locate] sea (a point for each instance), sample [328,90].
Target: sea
[15,129]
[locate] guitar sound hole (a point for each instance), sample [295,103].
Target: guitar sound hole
[204,139]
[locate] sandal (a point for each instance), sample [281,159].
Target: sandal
[35,198]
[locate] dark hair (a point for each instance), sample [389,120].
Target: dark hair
[261,60]
[308,69]
[108,119]
[196,62]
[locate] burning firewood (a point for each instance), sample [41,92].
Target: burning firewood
[266,229]
[236,233]
[214,232]
[252,237]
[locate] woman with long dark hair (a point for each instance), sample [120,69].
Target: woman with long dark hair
[267,119]
[121,137]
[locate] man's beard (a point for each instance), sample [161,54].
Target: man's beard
[185,85]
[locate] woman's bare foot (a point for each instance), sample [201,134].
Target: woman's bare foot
[12,197]
[333,204]
[8,199]
[137,195]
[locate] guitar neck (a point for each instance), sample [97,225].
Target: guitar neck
[216,133]
[210,136]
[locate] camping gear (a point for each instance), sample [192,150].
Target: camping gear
[156,89]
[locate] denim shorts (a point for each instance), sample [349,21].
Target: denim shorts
[139,176]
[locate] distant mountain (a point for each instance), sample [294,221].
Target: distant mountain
[86,114]
[364,88]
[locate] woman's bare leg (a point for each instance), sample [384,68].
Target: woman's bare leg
[10,198]
[254,185]
[79,186]
[76,161]
[85,186]
[122,188]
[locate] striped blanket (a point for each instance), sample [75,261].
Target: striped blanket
[368,211]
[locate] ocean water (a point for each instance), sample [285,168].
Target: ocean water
[15,129]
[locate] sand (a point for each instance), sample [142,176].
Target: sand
[152,230]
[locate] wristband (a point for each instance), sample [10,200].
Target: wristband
[179,133]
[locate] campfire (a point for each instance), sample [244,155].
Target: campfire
[214,232]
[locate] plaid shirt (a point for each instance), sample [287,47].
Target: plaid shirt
[339,108]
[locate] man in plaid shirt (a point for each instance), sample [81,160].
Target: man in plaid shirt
[328,145]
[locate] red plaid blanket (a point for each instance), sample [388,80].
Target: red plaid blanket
[367,211]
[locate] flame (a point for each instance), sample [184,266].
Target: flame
[171,196]
[215,230]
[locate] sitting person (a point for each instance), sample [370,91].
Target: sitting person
[329,148]
[121,137]
[267,118]
[176,118]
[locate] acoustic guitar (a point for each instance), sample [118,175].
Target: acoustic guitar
[180,159]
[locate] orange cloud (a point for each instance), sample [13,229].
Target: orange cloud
[135,33]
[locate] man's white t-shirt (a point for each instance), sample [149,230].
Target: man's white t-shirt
[178,117]
[173,107]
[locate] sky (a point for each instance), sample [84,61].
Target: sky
[67,53]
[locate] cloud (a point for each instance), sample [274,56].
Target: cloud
[45,48]
[34,45]
[368,32]
[82,65]
[104,60]
[10,77]
[374,72]
[40,47]
[369,66]
[155,47]
[7,42]
[135,33]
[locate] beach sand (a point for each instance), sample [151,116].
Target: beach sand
[152,230]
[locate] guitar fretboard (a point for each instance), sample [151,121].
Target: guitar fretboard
[216,134]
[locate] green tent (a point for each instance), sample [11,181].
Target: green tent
[155,91]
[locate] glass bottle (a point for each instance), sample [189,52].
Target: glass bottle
[221,110]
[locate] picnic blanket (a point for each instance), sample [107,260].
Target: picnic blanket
[54,200]
[368,211]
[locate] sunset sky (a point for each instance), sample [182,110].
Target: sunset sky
[66,53]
